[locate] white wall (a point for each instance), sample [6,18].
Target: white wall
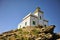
[46,23]
[29,19]
[38,14]
[33,19]
[42,18]
[22,24]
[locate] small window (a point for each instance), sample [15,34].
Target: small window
[20,26]
[34,23]
[45,25]
[25,23]
[40,17]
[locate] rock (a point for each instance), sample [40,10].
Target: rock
[49,36]
[40,38]
[48,29]
[58,39]
[31,33]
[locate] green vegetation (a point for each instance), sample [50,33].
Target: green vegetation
[20,29]
[35,31]
[25,33]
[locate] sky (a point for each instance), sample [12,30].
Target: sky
[12,12]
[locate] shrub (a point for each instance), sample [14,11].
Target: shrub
[20,29]
[25,32]
[23,27]
[35,32]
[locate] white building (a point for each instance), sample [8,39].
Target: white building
[34,19]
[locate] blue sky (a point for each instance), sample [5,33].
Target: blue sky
[12,12]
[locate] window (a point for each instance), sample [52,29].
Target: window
[20,26]
[40,17]
[25,23]
[33,22]
[45,25]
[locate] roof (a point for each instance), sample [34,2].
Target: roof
[30,14]
[38,10]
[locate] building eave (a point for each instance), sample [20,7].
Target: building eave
[45,20]
[29,16]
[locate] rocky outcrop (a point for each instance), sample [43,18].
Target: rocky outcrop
[31,33]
